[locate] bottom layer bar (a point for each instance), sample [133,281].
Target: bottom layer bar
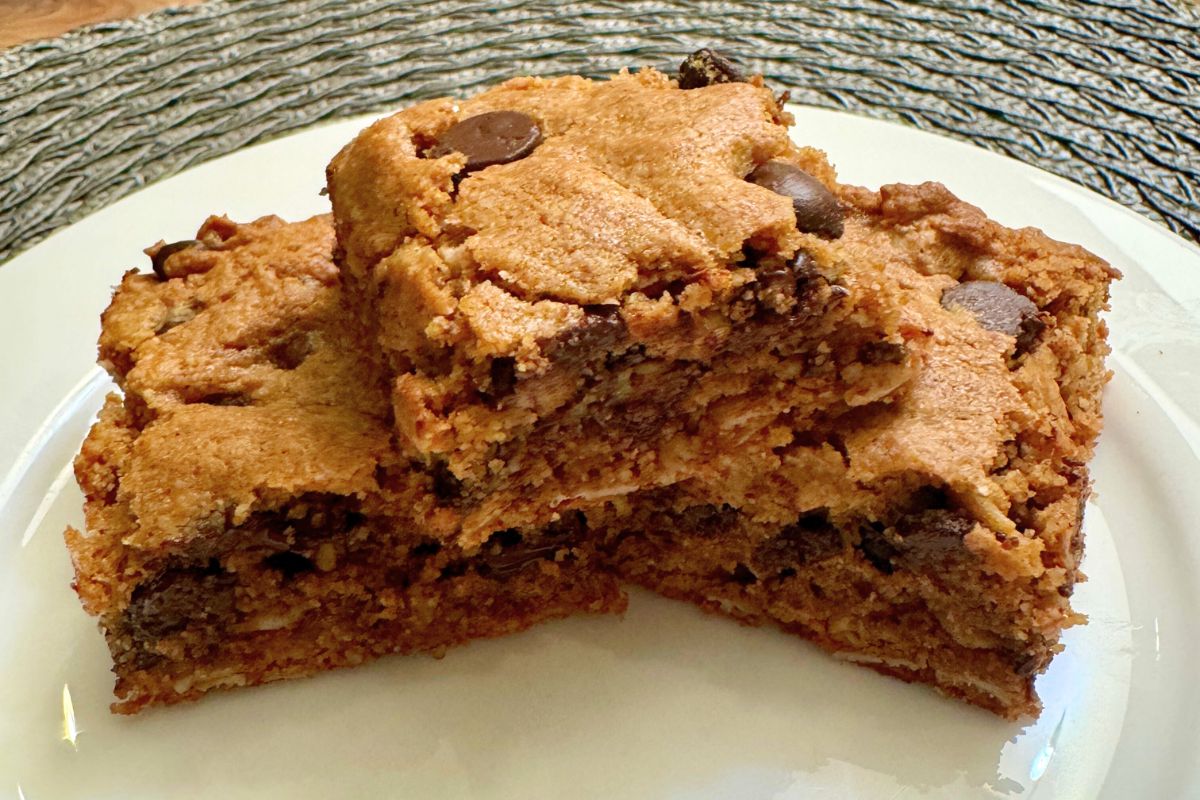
[316,576]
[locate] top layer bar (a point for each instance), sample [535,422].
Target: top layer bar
[582,289]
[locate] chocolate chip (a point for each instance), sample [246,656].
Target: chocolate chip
[496,137]
[933,538]
[743,575]
[289,563]
[707,67]
[446,485]
[877,549]
[176,597]
[425,549]
[570,526]
[158,261]
[503,375]
[809,540]
[601,329]
[1028,665]
[998,308]
[817,210]
[706,520]
[881,353]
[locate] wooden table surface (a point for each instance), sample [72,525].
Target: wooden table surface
[27,20]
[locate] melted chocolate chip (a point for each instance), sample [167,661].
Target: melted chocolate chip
[503,375]
[289,563]
[998,308]
[877,549]
[934,537]
[881,353]
[817,210]
[496,137]
[743,575]
[1027,665]
[446,485]
[707,67]
[601,329]
[809,540]
[158,262]
[168,603]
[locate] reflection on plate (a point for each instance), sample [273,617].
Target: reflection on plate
[667,702]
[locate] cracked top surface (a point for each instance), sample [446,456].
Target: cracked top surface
[252,316]
[636,186]
[246,380]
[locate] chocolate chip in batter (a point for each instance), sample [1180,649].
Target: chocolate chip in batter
[817,210]
[601,329]
[809,540]
[446,485]
[881,353]
[743,575]
[289,563]
[503,376]
[158,261]
[176,597]
[933,538]
[876,548]
[707,67]
[998,308]
[496,137]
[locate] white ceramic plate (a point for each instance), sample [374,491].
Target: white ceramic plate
[667,702]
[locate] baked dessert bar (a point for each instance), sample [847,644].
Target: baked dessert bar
[938,538]
[583,289]
[259,506]
[243,500]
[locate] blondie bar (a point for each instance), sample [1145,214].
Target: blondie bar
[583,289]
[247,518]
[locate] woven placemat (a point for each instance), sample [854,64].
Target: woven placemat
[1106,93]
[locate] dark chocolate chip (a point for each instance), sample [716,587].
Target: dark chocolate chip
[496,137]
[503,375]
[934,537]
[743,575]
[817,210]
[1029,664]
[289,563]
[881,353]
[570,526]
[877,549]
[455,569]
[425,549]
[158,262]
[706,520]
[176,597]
[809,540]
[998,308]
[446,485]
[601,329]
[707,67]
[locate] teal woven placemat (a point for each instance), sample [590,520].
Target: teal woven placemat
[1106,93]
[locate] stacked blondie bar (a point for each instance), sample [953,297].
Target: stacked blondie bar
[567,335]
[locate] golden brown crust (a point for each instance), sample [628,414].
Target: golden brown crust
[862,464]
